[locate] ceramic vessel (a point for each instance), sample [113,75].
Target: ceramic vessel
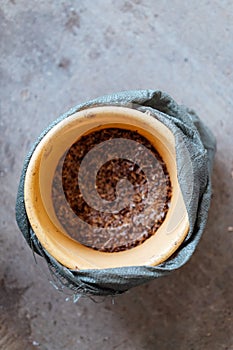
[38,184]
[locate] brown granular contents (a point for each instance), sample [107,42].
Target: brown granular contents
[141,212]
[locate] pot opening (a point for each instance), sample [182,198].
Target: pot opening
[111,189]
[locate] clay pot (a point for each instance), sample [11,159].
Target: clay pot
[38,184]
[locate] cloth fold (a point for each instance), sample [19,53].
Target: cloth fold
[195,149]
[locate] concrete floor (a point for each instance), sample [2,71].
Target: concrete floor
[55,54]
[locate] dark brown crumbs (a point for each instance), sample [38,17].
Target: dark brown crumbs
[144,204]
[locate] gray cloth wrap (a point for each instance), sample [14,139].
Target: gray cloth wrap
[200,143]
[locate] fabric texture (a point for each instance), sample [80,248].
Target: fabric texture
[192,138]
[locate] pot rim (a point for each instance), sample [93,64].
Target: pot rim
[154,250]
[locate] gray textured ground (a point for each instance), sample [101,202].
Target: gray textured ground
[55,54]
